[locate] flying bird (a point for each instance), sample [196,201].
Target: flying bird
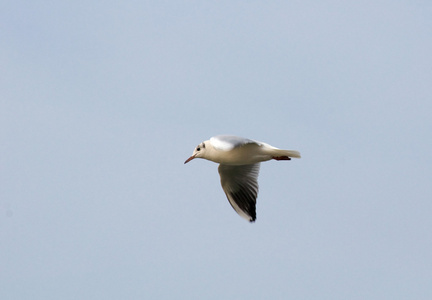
[239,162]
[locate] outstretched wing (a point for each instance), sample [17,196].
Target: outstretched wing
[240,184]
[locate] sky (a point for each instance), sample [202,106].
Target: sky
[101,102]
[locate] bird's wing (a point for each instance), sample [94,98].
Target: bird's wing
[229,142]
[240,184]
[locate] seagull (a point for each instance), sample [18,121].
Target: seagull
[239,162]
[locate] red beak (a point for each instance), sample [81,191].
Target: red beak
[189,159]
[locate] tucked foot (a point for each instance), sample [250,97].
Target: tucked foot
[281,158]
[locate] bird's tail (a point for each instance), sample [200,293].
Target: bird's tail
[280,154]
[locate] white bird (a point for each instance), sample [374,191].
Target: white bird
[239,162]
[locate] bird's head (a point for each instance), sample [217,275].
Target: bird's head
[199,152]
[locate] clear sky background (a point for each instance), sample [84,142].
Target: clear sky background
[101,102]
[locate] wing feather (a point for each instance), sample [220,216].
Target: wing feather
[229,142]
[240,184]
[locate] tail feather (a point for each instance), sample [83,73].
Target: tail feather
[289,153]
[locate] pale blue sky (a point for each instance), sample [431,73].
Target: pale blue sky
[101,102]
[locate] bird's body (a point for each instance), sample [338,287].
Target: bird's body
[239,160]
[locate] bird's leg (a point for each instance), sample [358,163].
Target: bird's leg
[281,158]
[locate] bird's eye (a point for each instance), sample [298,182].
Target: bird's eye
[198,148]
